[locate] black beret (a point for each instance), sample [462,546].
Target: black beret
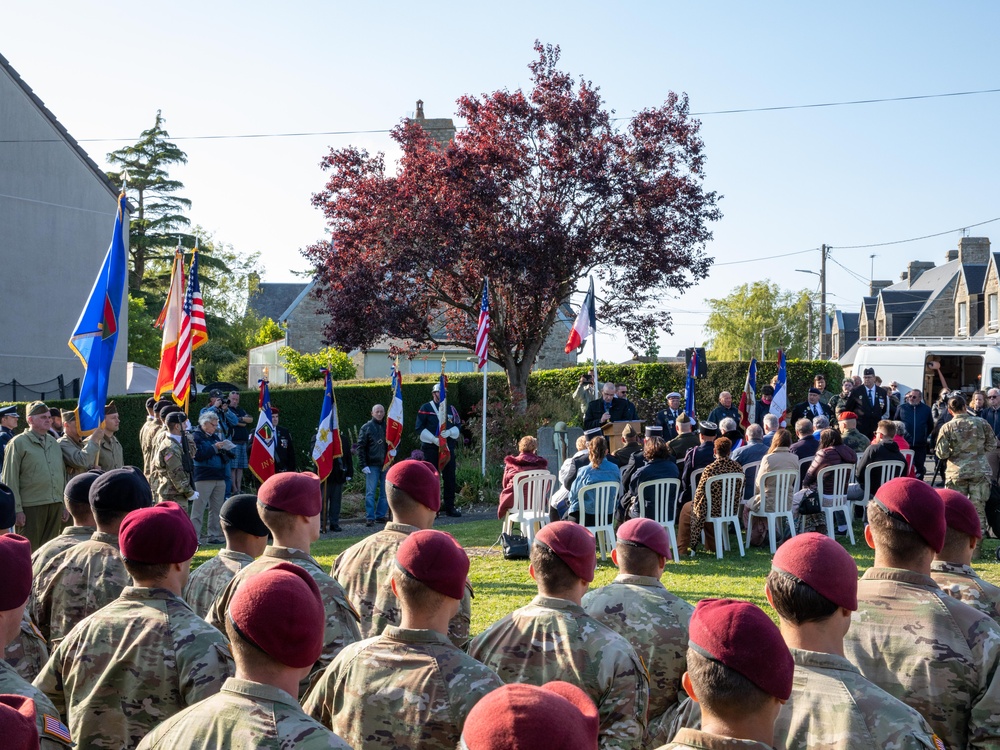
[160,406]
[175,417]
[121,490]
[8,513]
[150,402]
[240,512]
[77,489]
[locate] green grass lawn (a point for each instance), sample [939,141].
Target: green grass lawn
[502,586]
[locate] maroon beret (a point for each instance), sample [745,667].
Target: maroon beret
[526,717]
[847,415]
[418,480]
[298,494]
[916,502]
[822,564]
[161,534]
[960,514]
[15,562]
[583,702]
[740,636]
[18,724]
[573,544]
[280,611]
[645,532]
[436,560]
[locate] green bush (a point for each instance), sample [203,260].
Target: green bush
[307,368]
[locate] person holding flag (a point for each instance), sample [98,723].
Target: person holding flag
[748,399]
[332,456]
[394,420]
[779,402]
[689,387]
[438,429]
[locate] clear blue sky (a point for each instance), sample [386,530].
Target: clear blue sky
[791,180]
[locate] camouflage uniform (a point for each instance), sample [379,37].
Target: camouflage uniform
[834,708]
[554,639]
[856,441]
[27,653]
[244,715]
[11,683]
[404,688]
[169,478]
[695,739]
[965,441]
[930,651]
[149,427]
[655,622]
[77,583]
[70,537]
[138,661]
[963,583]
[78,457]
[209,579]
[341,617]
[112,456]
[364,570]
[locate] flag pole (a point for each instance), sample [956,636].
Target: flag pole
[593,336]
[485,368]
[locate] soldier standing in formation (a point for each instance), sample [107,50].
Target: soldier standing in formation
[965,442]
[76,498]
[112,456]
[365,694]
[171,467]
[79,454]
[426,428]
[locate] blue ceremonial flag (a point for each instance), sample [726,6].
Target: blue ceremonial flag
[779,401]
[96,334]
[689,386]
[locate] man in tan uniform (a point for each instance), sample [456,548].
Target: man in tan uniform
[76,497]
[112,456]
[79,454]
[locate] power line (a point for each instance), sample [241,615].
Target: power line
[766,257]
[913,239]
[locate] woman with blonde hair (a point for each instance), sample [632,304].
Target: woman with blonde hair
[599,469]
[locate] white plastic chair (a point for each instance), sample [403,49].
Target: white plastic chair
[836,501]
[729,507]
[807,462]
[887,470]
[666,495]
[531,503]
[750,477]
[605,497]
[695,479]
[910,455]
[783,484]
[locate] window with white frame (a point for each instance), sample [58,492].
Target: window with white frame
[994,321]
[963,318]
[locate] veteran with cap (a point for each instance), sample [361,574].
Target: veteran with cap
[847,421]
[15,562]
[257,709]
[33,469]
[638,606]
[426,428]
[289,505]
[246,539]
[553,637]
[366,694]
[146,655]
[667,417]
[813,586]
[870,402]
[79,454]
[905,623]
[365,569]
[631,445]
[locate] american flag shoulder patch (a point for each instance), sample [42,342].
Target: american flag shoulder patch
[938,742]
[55,728]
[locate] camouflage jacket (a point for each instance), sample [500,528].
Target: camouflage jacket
[169,478]
[965,441]
[695,739]
[149,427]
[112,456]
[856,441]
[11,683]
[76,583]
[555,639]
[364,570]
[834,708]
[341,617]
[963,583]
[27,653]
[930,651]
[655,622]
[243,715]
[404,688]
[78,457]
[132,665]
[70,537]
[209,579]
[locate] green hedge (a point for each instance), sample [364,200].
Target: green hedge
[648,385]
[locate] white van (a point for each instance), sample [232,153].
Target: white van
[963,365]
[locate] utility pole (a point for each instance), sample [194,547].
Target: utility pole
[824,352]
[809,332]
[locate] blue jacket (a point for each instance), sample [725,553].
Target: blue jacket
[658,468]
[208,464]
[918,420]
[607,472]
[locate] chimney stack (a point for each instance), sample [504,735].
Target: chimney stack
[916,268]
[974,250]
[876,286]
[950,256]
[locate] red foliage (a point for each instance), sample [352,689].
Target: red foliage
[538,191]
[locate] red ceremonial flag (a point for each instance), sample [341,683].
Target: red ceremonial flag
[394,417]
[170,320]
[328,445]
[586,321]
[748,399]
[262,445]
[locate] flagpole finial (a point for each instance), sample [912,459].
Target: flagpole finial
[124,179]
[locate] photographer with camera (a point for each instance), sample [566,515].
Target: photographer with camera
[212,454]
[586,391]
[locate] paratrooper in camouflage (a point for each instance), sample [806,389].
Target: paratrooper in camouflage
[70,537]
[404,688]
[211,578]
[132,665]
[11,683]
[695,739]
[655,622]
[964,442]
[364,570]
[856,441]
[555,639]
[834,708]
[244,715]
[934,653]
[28,652]
[169,477]
[963,583]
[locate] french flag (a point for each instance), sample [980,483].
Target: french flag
[586,321]
[779,403]
[394,419]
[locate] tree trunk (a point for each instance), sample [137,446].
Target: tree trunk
[517,383]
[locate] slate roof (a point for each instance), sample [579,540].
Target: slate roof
[975,277]
[276,301]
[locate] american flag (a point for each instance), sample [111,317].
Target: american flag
[483,331]
[193,333]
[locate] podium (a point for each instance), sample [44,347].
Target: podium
[614,429]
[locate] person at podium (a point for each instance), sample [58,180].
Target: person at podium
[608,408]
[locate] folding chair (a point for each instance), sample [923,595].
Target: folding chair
[531,503]
[729,506]
[605,497]
[666,494]
[784,483]
[836,501]
[888,470]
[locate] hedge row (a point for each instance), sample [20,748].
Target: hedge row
[648,386]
